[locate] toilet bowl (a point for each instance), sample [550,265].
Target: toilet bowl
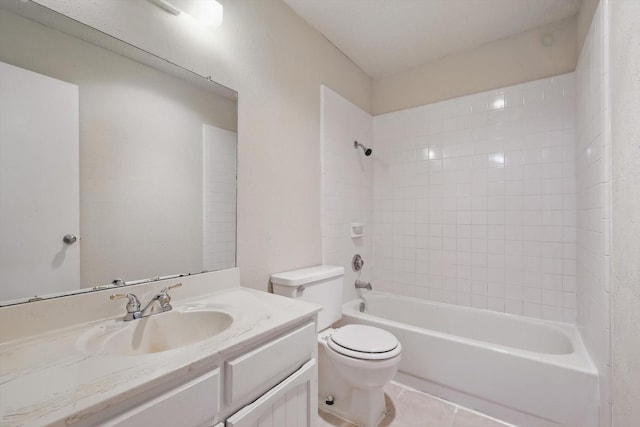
[354,361]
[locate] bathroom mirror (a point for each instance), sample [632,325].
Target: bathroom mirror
[116,166]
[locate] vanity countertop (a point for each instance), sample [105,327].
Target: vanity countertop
[49,380]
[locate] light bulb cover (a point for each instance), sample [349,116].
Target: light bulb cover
[166,6]
[208,13]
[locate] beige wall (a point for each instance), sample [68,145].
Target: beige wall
[585,16]
[517,59]
[277,63]
[625,274]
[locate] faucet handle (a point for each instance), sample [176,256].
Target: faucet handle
[167,288]
[133,300]
[133,305]
[164,299]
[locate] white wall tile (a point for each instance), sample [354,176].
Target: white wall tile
[347,182]
[491,195]
[592,202]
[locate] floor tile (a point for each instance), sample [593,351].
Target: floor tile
[410,408]
[464,418]
[415,409]
[326,419]
[393,389]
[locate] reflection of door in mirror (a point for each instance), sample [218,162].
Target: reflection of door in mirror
[219,197]
[39,184]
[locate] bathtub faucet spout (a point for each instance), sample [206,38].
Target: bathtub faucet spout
[363,285]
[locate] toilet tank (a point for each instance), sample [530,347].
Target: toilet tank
[320,285]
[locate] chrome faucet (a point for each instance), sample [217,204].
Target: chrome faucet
[363,285]
[133,306]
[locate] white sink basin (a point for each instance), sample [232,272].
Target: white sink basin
[156,333]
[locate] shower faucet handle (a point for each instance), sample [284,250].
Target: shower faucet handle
[357,262]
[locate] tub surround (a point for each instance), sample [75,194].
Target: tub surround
[46,378]
[593,201]
[474,200]
[525,371]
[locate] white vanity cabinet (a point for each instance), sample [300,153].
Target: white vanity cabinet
[270,384]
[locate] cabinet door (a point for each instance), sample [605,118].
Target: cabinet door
[292,403]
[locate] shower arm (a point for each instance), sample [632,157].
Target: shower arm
[367,151]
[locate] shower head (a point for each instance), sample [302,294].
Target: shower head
[367,151]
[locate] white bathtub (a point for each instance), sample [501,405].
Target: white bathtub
[525,371]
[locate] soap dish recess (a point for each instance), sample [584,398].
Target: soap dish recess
[357,229]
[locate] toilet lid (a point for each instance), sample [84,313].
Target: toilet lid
[365,342]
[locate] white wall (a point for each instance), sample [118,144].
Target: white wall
[624,79]
[276,62]
[593,195]
[474,200]
[511,60]
[347,187]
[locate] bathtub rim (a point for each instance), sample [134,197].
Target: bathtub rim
[578,360]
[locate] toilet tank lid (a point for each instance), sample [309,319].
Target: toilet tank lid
[307,275]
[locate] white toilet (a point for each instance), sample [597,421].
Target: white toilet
[354,361]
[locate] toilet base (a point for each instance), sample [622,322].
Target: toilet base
[362,406]
[365,408]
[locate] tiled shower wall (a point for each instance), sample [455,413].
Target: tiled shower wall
[593,194]
[347,186]
[474,200]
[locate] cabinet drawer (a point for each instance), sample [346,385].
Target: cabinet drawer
[193,404]
[250,375]
[289,404]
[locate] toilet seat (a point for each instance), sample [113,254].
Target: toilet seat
[364,342]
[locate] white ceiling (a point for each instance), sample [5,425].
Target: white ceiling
[384,37]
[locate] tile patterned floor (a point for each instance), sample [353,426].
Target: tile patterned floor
[411,408]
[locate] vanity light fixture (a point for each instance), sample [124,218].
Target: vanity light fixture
[166,6]
[207,12]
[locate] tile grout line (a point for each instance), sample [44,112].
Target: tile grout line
[455,412]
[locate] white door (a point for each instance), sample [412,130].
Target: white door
[219,195]
[39,184]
